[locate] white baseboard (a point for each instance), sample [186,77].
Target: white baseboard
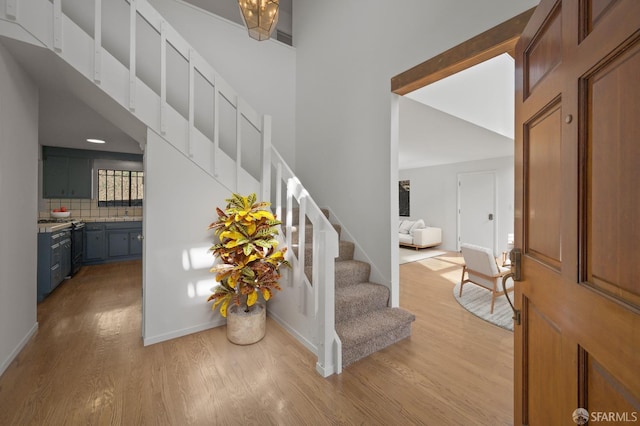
[299,337]
[5,364]
[182,332]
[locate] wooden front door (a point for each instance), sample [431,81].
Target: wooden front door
[578,214]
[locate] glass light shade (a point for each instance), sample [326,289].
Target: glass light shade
[260,17]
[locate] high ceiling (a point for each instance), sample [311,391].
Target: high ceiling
[467,116]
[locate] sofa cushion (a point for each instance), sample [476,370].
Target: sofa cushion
[405,227]
[405,239]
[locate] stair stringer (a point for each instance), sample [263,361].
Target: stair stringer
[359,254]
[42,23]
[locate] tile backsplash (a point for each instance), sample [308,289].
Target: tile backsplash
[85,209]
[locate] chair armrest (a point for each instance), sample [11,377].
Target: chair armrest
[427,236]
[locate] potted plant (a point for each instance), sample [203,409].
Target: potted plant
[248,266]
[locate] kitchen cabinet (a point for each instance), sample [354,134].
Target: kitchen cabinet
[94,244]
[66,177]
[112,242]
[54,260]
[118,243]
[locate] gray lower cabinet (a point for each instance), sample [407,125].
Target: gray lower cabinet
[94,245]
[118,243]
[112,242]
[54,260]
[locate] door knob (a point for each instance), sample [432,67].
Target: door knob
[490,216]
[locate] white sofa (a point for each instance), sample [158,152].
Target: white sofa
[416,234]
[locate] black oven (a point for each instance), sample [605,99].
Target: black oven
[77,246]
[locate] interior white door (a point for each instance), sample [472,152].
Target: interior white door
[476,209]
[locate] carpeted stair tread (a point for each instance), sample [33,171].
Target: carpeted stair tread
[372,324]
[373,331]
[359,299]
[347,272]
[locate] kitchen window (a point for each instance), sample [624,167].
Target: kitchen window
[120,188]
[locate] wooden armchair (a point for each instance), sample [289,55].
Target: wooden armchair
[481,269]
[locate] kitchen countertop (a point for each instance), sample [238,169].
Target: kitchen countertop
[112,219]
[53,227]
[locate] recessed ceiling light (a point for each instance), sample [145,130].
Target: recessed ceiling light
[95,140]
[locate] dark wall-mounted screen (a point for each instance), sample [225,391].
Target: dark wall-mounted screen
[403,188]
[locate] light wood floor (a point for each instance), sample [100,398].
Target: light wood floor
[86,365]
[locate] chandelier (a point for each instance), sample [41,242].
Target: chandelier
[260,17]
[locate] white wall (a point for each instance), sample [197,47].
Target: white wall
[434,196]
[180,201]
[18,211]
[263,73]
[347,53]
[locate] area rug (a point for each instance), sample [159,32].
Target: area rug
[478,301]
[413,255]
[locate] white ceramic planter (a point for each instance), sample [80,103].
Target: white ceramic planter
[245,328]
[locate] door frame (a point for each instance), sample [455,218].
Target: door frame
[494,206]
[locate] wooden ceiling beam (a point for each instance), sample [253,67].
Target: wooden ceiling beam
[500,39]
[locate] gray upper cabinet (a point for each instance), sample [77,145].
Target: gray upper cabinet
[66,177]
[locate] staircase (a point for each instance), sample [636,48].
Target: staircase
[363,319]
[328,303]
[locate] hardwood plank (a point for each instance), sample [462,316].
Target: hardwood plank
[87,365]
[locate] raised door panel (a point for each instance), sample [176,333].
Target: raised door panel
[613,174]
[543,186]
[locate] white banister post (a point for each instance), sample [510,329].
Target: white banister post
[328,359]
[191,103]
[302,221]
[163,77]
[289,221]
[57,25]
[266,158]
[11,9]
[278,182]
[97,42]
[133,14]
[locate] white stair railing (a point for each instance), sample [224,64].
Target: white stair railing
[324,248]
[88,35]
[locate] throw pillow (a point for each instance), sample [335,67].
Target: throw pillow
[405,227]
[418,225]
